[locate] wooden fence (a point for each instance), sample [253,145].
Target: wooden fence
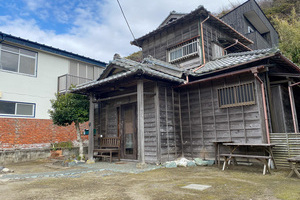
[288,146]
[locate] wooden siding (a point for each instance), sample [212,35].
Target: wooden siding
[237,20]
[106,120]
[203,121]
[282,120]
[288,146]
[150,124]
[158,45]
[169,124]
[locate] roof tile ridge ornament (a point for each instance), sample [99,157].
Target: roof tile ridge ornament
[116,56]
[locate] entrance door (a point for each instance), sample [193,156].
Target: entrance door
[129,135]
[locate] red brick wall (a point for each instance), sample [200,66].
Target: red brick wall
[34,133]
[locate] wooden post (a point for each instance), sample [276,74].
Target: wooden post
[157,117]
[140,120]
[91,129]
[293,108]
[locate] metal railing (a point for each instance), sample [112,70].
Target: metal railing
[67,80]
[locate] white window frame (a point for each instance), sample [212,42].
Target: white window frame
[16,109]
[250,29]
[183,50]
[19,58]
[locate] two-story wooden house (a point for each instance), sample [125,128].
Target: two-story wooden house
[199,82]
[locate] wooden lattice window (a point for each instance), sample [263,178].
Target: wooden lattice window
[237,95]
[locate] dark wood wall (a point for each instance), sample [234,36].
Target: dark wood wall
[169,123]
[203,121]
[237,20]
[282,121]
[158,45]
[150,131]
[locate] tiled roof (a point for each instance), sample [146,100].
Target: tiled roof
[235,59]
[200,11]
[163,67]
[130,68]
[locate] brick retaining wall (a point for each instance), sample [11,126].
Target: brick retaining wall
[18,133]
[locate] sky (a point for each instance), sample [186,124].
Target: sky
[92,28]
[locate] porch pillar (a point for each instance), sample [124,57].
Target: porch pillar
[140,120]
[293,107]
[91,129]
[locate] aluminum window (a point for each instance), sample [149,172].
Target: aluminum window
[18,60]
[237,95]
[11,108]
[184,50]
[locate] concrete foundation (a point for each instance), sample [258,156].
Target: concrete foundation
[23,155]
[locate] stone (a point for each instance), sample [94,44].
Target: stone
[200,162]
[90,161]
[182,162]
[141,165]
[6,170]
[197,187]
[171,164]
[191,164]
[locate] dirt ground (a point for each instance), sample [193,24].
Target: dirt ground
[246,182]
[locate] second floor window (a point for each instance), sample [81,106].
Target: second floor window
[183,51]
[18,60]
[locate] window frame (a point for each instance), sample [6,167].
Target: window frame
[236,95]
[185,50]
[20,55]
[16,109]
[216,49]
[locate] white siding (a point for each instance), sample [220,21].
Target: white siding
[39,89]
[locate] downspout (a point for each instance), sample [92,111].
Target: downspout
[202,39]
[202,44]
[236,41]
[292,106]
[264,104]
[187,78]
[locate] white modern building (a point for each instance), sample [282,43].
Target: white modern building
[30,75]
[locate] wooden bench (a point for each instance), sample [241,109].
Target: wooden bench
[263,159]
[294,163]
[108,147]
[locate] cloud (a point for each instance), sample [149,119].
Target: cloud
[94,28]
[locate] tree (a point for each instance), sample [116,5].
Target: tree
[289,34]
[70,108]
[136,56]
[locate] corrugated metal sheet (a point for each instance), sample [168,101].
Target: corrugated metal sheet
[288,146]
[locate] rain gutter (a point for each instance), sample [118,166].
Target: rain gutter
[255,72]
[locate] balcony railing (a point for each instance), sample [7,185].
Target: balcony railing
[67,80]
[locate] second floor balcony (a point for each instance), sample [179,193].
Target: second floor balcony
[67,80]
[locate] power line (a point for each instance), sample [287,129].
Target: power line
[126,20]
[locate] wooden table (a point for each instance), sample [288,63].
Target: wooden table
[217,144]
[265,159]
[294,163]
